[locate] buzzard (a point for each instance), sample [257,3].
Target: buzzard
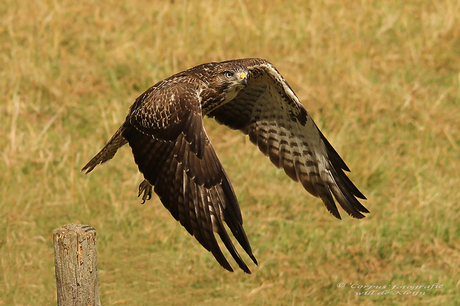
[164,128]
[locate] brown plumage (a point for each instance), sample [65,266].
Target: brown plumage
[164,128]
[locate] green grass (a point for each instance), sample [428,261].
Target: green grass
[382,80]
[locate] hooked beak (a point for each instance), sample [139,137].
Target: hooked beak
[243,78]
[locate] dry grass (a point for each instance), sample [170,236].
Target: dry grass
[381,80]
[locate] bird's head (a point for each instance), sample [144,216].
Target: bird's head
[224,82]
[233,80]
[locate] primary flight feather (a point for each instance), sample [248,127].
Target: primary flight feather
[164,128]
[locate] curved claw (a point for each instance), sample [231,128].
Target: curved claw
[146,188]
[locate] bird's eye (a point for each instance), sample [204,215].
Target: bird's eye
[228,74]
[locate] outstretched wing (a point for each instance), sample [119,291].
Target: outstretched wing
[170,146]
[271,114]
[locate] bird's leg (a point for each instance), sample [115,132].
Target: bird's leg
[146,188]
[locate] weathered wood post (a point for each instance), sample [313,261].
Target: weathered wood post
[75,260]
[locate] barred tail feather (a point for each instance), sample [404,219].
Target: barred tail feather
[107,152]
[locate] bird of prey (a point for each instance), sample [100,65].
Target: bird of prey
[164,128]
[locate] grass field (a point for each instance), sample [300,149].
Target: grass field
[381,80]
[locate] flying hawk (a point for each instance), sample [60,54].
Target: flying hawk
[164,128]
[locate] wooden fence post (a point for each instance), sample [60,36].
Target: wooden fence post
[75,260]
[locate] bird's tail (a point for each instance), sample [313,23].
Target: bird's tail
[108,151]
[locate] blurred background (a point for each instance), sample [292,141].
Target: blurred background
[381,80]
